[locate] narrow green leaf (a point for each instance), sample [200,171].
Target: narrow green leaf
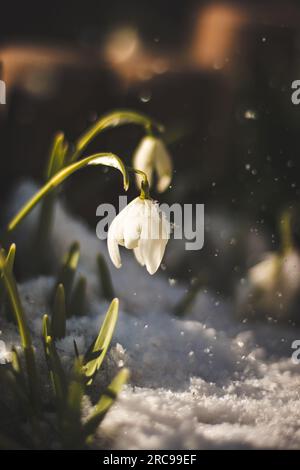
[68,270]
[10,259]
[40,255]
[58,320]
[15,361]
[106,159]
[106,401]
[56,371]
[107,288]
[76,390]
[14,298]
[98,349]
[70,419]
[33,380]
[17,368]
[57,155]
[74,399]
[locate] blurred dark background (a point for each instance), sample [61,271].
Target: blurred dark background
[217,74]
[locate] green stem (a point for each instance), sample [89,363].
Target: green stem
[286,232]
[108,159]
[113,119]
[145,189]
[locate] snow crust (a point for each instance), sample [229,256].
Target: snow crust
[202,381]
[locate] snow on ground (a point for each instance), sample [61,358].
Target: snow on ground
[203,381]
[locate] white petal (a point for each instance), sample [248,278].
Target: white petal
[264,274]
[154,237]
[138,256]
[163,166]
[114,238]
[163,183]
[125,229]
[155,226]
[152,252]
[132,233]
[133,223]
[143,158]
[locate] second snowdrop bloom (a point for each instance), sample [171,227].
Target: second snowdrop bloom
[140,227]
[152,154]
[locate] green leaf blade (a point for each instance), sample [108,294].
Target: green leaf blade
[106,401]
[101,344]
[58,321]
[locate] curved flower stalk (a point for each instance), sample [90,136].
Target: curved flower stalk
[114,119]
[140,227]
[107,159]
[152,155]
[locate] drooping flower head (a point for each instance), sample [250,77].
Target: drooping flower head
[140,227]
[152,155]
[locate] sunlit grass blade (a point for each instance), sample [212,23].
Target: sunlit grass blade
[14,298]
[33,380]
[57,155]
[106,159]
[70,419]
[17,367]
[58,319]
[10,259]
[56,371]
[106,401]
[9,262]
[113,119]
[107,288]
[98,349]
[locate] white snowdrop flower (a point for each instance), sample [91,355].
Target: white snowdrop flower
[151,154]
[263,274]
[272,287]
[140,226]
[276,270]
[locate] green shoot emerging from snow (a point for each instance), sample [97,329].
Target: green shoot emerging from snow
[34,423]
